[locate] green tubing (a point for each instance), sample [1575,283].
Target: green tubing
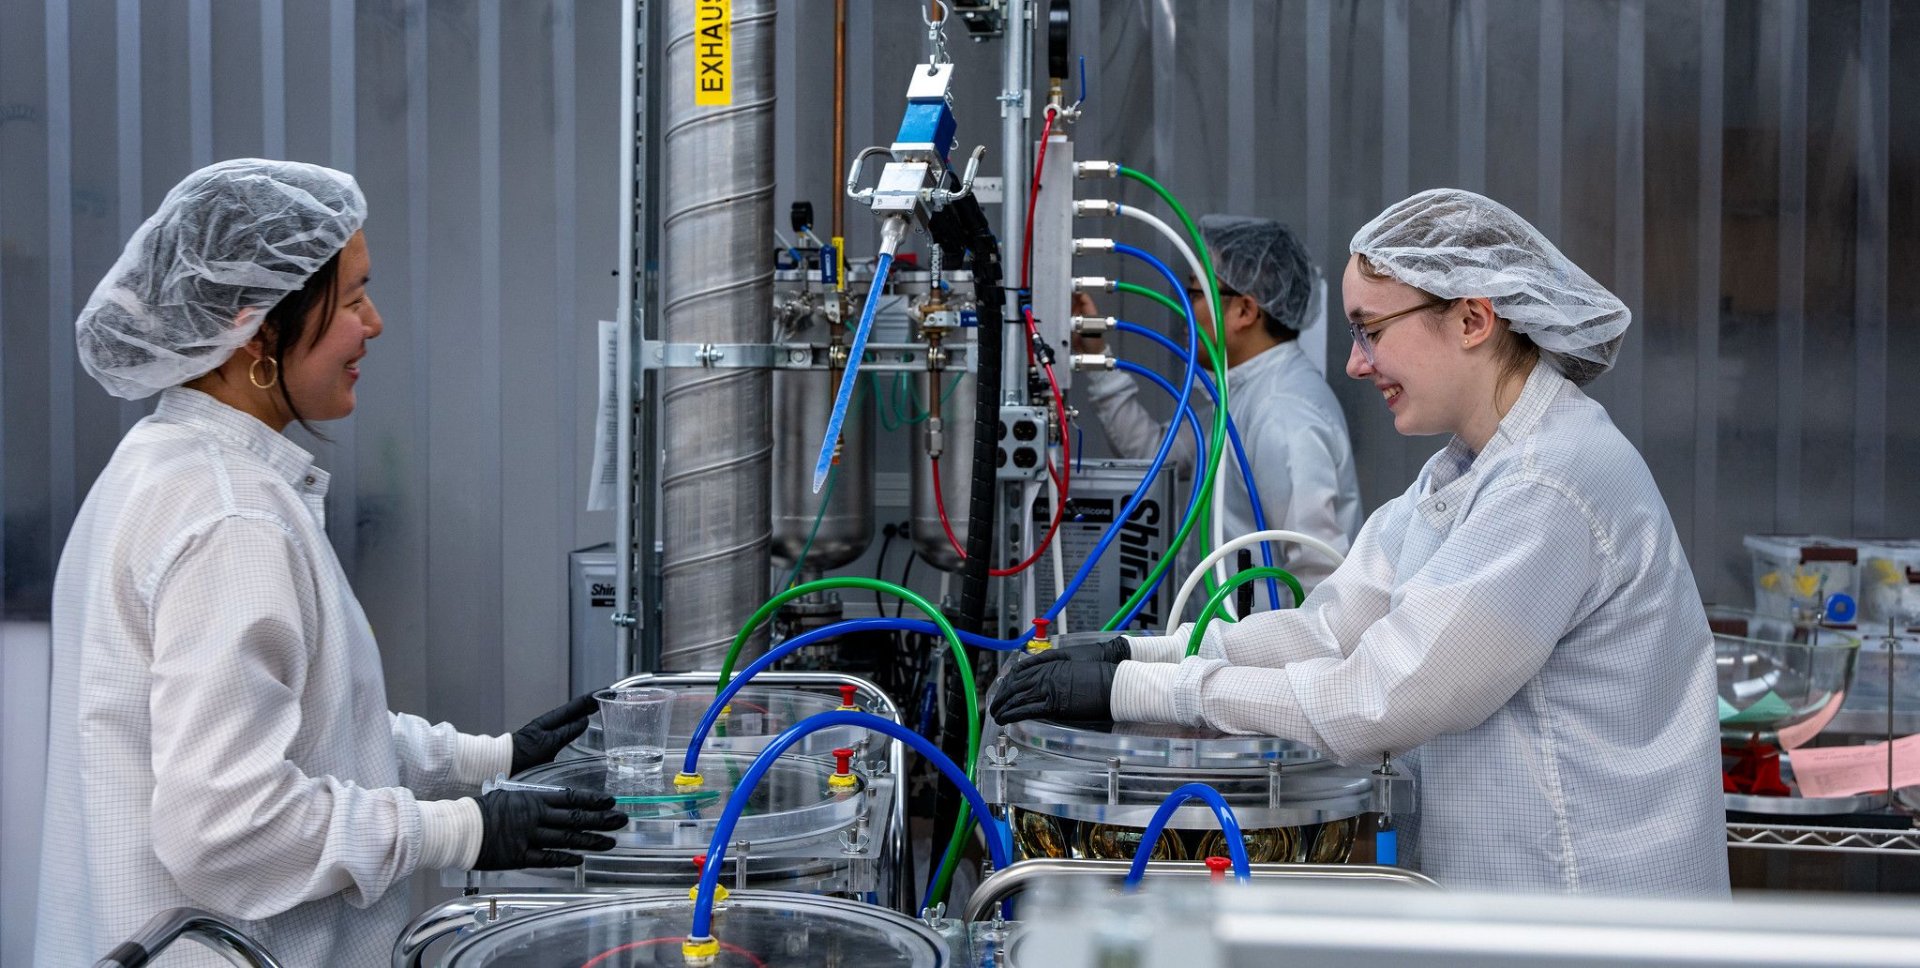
[1218,602]
[1216,444]
[911,597]
[1206,338]
[773,604]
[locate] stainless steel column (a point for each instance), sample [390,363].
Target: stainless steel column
[716,287]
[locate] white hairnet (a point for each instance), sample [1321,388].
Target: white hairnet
[1259,257]
[195,281]
[1456,244]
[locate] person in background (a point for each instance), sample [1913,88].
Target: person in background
[1523,619]
[1289,422]
[219,733]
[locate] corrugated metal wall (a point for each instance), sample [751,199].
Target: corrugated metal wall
[484,135]
[1732,169]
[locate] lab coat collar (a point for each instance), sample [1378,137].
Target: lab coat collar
[1272,358]
[1451,473]
[288,460]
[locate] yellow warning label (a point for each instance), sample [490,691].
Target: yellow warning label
[713,52]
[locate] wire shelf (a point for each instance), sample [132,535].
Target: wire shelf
[1845,840]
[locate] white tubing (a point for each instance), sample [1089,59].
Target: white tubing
[1308,542]
[1059,557]
[1218,528]
[1179,243]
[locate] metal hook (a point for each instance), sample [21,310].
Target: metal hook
[937,33]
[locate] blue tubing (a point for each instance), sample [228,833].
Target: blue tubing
[1193,423]
[999,840]
[851,377]
[822,634]
[1198,480]
[1166,440]
[1229,825]
[1239,455]
[762,664]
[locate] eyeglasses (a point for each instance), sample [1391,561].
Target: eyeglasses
[1198,297]
[1366,332]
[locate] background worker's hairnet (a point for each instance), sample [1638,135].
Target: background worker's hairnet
[193,284]
[1455,244]
[1261,258]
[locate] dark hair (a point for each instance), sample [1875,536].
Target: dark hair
[1279,331]
[1276,329]
[285,327]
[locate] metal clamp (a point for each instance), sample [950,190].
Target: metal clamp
[657,355]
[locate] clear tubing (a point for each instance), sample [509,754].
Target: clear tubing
[1258,537]
[1239,456]
[999,841]
[1220,594]
[1229,827]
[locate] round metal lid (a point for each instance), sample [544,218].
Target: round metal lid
[1157,745]
[792,801]
[755,716]
[755,929]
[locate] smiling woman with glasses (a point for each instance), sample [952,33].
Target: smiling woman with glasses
[1523,616]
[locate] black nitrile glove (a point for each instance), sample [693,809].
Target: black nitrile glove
[1046,687]
[537,828]
[1112,650]
[538,742]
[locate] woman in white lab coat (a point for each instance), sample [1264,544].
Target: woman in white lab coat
[1523,619]
[219,734]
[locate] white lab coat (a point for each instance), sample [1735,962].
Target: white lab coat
[219,733]
[1296,441]
[1526,622]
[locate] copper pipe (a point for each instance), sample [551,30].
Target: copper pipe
[839,117]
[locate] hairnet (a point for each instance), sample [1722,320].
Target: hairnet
[1260,258]
[195,281]
[1455,244]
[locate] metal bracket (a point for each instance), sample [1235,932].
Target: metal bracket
[881,357]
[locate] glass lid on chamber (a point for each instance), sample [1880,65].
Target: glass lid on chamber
[755,930]
[1157,744]
[795,799]
[755,716]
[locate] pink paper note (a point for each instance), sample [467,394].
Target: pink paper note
[1841,771]
[1795,736]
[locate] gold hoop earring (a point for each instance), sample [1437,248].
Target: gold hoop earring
[273,378]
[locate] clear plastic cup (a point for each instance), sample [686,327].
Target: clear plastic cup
[634,722]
